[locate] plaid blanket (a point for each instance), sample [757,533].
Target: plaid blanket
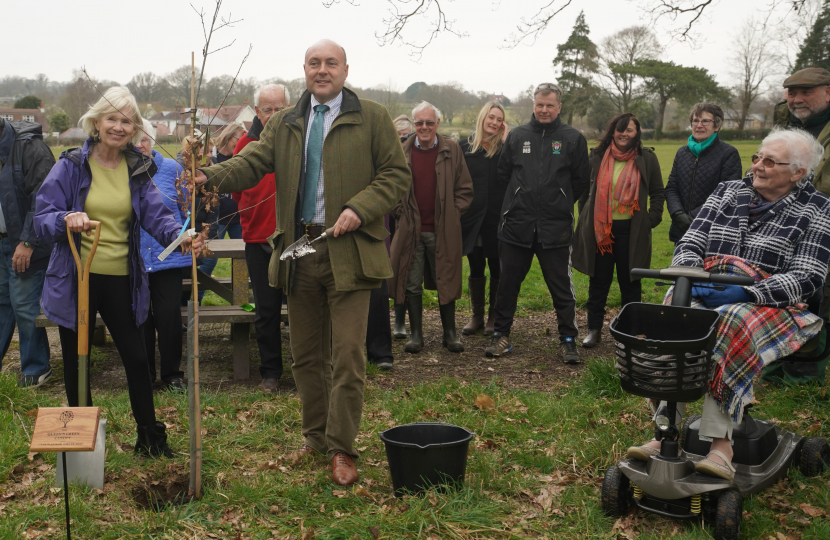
[750,337]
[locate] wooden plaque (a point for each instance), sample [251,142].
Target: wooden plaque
[65,429]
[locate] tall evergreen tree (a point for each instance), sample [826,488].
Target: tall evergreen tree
[815,52]
[667,80]
[578,60]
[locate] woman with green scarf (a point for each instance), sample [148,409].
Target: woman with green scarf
[699,166]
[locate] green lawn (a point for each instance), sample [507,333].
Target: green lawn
[534,468]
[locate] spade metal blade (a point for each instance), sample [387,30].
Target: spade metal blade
[302,247]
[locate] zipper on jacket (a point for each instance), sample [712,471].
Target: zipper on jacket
[512,203]
[692,185]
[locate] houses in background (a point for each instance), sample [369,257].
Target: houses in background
[753,121]
[29,115]
[216,118]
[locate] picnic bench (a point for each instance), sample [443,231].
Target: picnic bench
[233,290]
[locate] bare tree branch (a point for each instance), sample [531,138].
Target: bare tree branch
[537,24]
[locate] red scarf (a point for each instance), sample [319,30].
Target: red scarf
[626,194]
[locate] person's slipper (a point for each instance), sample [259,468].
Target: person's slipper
[713,468]
[643,453]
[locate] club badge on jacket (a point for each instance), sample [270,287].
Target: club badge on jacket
[526,148]
[556,147]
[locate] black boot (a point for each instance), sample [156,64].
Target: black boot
[451,341]
[400,321]
[416,312]
[477,302]
[491,312]
[152,441]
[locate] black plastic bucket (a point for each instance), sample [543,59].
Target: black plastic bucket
[425,454]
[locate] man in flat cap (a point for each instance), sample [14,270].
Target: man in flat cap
[807,107]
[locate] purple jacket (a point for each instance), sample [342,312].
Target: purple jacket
[64,191]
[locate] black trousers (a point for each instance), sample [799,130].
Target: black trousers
[556,269]
[600,284]
[110,296]
[379,329]
[164,318]
[477,262]
[268,302]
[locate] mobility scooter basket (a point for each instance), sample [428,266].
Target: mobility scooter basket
[665,352]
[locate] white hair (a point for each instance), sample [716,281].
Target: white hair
[150,131]
[426,105]
[805,152]
[117,98]
[402,123]
[272,87]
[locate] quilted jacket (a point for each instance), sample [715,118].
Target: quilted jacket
[692,179]
[790,241]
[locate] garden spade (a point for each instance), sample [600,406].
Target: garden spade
[303,247]
[84,467]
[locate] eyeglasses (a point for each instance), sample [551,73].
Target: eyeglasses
[704,123]
[269,110]
[767,162]
[548,86]
[429,123]
[144,140]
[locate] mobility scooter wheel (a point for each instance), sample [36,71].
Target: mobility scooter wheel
[729,514]
[615,492]
[687,422]
[815,456]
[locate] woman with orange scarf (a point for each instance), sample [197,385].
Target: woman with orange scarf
[624,203]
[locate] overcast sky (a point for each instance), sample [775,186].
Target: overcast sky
[115,39]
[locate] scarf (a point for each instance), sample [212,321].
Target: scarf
[697,148]
[626,197]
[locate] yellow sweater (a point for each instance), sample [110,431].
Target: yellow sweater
[109,202]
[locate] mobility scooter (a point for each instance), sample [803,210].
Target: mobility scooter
[664,352]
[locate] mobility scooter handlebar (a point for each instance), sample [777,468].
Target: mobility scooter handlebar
[694,274]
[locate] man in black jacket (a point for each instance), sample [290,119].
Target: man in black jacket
[545,166]
[24,163]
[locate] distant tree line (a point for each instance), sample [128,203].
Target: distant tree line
[624,72]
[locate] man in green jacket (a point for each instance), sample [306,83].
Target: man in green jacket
[807,107]
[337,163]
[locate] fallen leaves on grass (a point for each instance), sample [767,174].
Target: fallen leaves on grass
[811,511]
[485,402]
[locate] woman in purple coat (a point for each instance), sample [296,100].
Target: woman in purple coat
[107,180]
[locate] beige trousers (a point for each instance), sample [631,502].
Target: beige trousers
[328,330]
[714,423]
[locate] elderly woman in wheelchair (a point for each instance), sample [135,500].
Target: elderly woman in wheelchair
[774,227]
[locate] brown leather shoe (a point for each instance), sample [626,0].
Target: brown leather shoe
[304,454]
[343,470]
[270,385]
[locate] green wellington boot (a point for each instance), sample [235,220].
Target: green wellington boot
[416,314]
[451,341]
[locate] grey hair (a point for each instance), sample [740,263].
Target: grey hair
[424,105]
[272,87]
[150,131]
[805,152]
[402,122]
[547,88]
[709,107]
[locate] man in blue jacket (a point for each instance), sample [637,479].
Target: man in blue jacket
[24,163]
[545,166]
